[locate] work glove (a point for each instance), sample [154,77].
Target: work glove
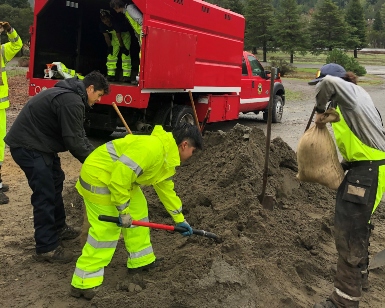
[124,50]
[110,50]
[125,220]
[185,224]
[5,25]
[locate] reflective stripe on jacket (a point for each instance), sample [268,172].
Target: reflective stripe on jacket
[112,170]
[8,51]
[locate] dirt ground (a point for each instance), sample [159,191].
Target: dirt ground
[279,258]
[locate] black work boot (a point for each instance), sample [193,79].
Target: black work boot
[68,233]
[145,268]
[325,304]
[58,255]
[86,293]
[3,198]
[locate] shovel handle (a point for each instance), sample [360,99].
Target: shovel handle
[159,226]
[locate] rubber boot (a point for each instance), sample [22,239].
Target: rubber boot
[86,293]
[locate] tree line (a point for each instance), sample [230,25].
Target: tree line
[292,26]
[315,26]
[20,16]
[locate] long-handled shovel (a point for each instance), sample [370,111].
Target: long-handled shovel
[268,201]
[161,226]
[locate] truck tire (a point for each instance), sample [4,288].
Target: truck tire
[180,113]
[277,110]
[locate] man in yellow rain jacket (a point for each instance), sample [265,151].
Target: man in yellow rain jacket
[110,181]
[8,51]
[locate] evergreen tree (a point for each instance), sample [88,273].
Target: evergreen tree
[19,18]
[378,24]
[235,6]
[259,21]
[16,3]
[328,28]
[289,34]
[356,20]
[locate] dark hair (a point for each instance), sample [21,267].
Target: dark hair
[99,82]
[189,132]
[117,4]
[350,77]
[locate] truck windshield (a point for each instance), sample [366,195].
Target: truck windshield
[256,67]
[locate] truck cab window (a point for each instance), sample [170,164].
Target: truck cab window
[256,67]
[244,67]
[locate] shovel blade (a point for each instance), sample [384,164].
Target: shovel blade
[267,202]
[378,260]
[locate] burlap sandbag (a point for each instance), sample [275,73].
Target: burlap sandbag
[317,155]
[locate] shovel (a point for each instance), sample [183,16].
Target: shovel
[161,226]
[268,201]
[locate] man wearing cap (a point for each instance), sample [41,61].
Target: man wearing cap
[360,138]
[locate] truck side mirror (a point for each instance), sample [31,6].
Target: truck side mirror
[267,74]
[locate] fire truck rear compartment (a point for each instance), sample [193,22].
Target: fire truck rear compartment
[68,32]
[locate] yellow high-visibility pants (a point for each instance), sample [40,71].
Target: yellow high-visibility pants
[103,238]
[112,59]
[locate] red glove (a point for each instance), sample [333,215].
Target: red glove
[6,26]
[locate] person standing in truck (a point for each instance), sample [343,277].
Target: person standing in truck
[134,16]
[8,51]
[118,39]
[52,122]
[110,183]
[132,13]
[360,138]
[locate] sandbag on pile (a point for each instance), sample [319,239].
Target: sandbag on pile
[317,155]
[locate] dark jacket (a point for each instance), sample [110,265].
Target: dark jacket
[52,121]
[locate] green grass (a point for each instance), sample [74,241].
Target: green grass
[293,95]
[309,73]
[16,72]
[364,58]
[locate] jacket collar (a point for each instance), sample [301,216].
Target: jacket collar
[171,158]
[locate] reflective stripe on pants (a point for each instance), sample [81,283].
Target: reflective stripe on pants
[103,237]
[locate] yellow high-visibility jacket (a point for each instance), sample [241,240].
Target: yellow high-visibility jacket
[112,170]
[8,51]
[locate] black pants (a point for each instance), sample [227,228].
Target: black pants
[45,177]
[354,204]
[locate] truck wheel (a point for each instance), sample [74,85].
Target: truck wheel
[277,110]
[180,113]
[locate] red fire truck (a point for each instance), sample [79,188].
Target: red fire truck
[187,45]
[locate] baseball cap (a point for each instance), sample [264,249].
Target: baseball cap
[332,69]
